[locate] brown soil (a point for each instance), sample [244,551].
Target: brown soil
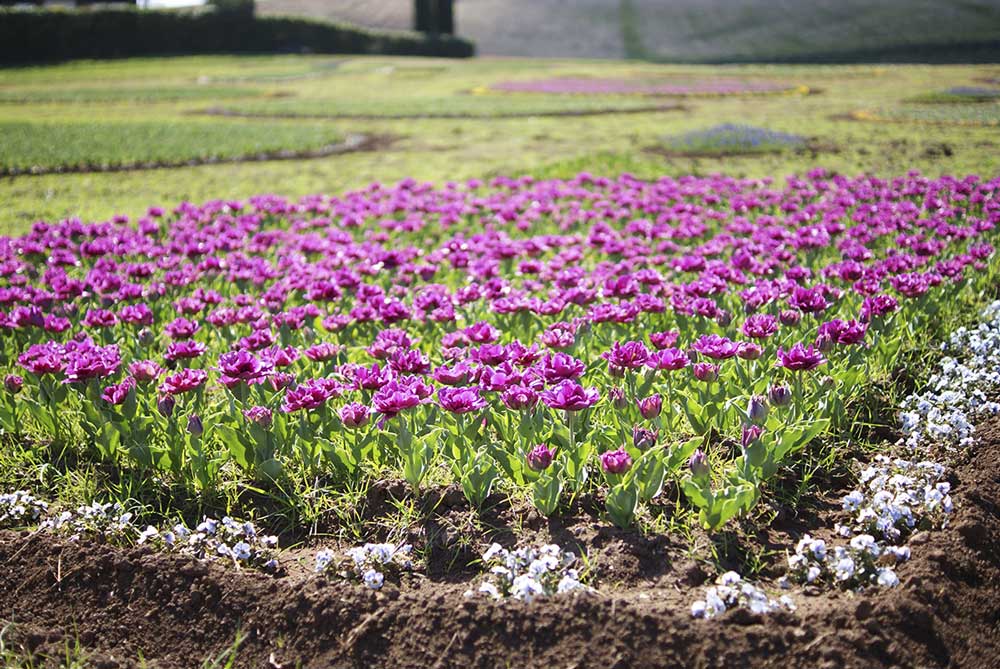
[172,611]
[217,111]
[350,145]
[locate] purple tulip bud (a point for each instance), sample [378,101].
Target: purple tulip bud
[698,464]
[780,396]
[540,457]
[616,462]
[825,343]
[750,434]
[758,409]
[165,405]
[13,383]
[706,371]
[650,407]
[724,318]
[195,426]
[643,438]
[617,396]
[790,317]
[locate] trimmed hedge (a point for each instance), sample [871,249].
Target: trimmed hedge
[28,36]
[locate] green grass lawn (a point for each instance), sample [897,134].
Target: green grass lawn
[122,128]
[973,114]
[50,145]
[121,94]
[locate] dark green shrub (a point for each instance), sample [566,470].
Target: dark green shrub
[46,35]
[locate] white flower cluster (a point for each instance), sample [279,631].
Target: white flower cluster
[864,561]
[529,573]
[958,391]
[109,520]
[369,562]
[897,496]
[20,508]
[228,539]
[731,591]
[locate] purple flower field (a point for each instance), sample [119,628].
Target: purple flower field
[553,337]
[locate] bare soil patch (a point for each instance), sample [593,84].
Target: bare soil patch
[119,603]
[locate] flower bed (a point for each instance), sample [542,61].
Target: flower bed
[979,114]
[637,86]
[959,94]
[547,339]
[732,139]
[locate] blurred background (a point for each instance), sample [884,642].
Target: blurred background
[110,108]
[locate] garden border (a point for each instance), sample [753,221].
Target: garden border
[352,144]
[219,111]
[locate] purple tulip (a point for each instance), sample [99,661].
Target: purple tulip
[194,425]
[758,409]
[460,400]
[670,359]
[519,397]
[187,349]
[779,396]
[117,394]
[183,381]
[395,398]
[663,340]
[165,405]
[698,464]
[92,362]
[145,371]
[650,407]
[570,396]
[644,438]
[241,366]
[616,462]
[617,397]
[750,434]
[259,415]
[800,358]
[790,318]
[715,347]
[706,371]
[760,326]
[630,355]
[13,383]
[540,457]
[354,415]
[561,366]
[312,394]
[453,376]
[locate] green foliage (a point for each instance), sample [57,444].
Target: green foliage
[115,144]
[122,94]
